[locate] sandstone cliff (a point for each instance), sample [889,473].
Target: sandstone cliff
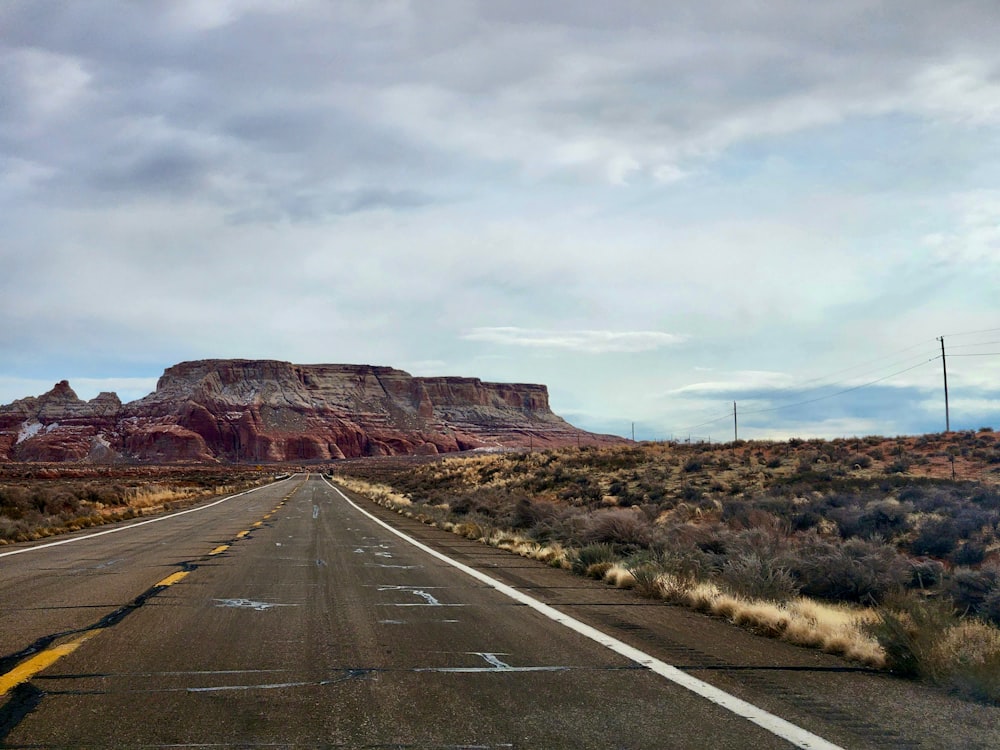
[265,410]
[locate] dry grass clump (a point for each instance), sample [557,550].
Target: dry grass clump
[835,629]
[382,494]
[967,659]
[926,638]
[619,576]
[158,495]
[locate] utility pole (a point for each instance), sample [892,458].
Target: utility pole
[944,368]
[736,431]
[633,432]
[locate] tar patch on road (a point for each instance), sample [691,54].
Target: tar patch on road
[23,700]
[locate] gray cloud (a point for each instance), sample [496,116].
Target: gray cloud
[794,185]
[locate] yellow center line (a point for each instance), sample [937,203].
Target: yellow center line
[174,578]
[28,669]
[219,549]
[242,534]
[258,524]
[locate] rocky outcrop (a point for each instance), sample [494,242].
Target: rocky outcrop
[269,411]
[58,426]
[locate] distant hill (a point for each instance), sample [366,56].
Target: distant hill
[233,410]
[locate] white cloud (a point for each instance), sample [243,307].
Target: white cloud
[590,342]
[738,381]
[965,91]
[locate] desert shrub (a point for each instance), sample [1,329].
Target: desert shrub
[969,589]
[989,608]
[925,638]
[542,519]
[969,521]
[970,553]
[755,576]
[908,628]
[625,528]
[937,538]
[805,520]
[900,466]
[857,570]
[14,502]
[647,576]
[926,573]
[594,559]
[885,518]
[692,465]
[583,491]
[764,539]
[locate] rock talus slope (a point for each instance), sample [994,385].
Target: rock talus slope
[266,410]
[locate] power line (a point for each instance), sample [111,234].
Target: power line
[846,390]
[702,424]
[972,333]
[981,343]
[729,415]
[862,364]
[799,386]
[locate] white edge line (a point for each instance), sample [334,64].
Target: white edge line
[140,523]
[764,719]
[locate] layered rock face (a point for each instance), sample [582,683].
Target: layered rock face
[265,410]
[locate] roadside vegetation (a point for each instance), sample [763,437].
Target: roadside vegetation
[865,547]
[37,502]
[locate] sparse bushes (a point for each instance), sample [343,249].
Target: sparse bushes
[971,589]
[31,508]
[754,576]
[907,629]
[710,528]
[937,538]
[925,638]
[593,560]
[855,571]
[621,528]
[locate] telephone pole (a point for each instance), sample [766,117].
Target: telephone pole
[736,431]
[944,368]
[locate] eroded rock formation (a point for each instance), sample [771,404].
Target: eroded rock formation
[265,410]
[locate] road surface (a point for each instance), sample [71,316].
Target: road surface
[290,617]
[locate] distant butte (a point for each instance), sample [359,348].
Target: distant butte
[238,410]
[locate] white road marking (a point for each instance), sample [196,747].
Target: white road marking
[775,724]
[250,604]
[492,658]
[136,525]
[427,597]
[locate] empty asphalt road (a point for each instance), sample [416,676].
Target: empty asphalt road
[290,617]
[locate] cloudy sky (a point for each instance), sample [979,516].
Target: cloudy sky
[654,208]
